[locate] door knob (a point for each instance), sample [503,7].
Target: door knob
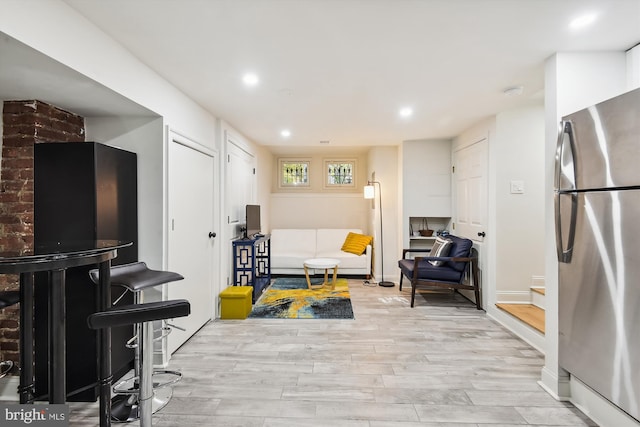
[212,234]
[481,234]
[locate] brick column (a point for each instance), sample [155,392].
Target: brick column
[25,123]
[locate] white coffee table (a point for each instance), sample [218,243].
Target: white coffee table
[322,263]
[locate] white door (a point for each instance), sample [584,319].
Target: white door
[240,182]
[240,185]
[191,248]
[470,177]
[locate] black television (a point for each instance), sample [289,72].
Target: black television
[253,220]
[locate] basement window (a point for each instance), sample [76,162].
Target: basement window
[340,173]
[294,173]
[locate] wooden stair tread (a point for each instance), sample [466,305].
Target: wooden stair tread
[528,313]
[538,290]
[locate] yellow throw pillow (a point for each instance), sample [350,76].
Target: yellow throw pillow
[356,243]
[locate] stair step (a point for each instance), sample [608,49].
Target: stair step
[537,296]
[528,313]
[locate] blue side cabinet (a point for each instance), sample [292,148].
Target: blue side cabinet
[252,263]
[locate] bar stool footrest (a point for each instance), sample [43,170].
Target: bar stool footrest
[125,407]
[5,367]
[130,385]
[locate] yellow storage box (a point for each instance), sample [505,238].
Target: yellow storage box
[235,302]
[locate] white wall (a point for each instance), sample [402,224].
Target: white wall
[573,81]
[140,135]
[518,149]
[633,68]
[319,210]
[316,206]
[264,171]
[426,181]
[383,162]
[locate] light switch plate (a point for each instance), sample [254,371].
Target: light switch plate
[517,187]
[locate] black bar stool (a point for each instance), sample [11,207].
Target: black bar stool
[136,277]
[7,298]
[141,314]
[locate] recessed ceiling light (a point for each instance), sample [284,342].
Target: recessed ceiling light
[583,21]
[513,91]
[286,133]
[406,112]
[250,79]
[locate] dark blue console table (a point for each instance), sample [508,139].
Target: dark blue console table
[252,263]
[55,258]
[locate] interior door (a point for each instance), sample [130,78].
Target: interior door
[191,248]
[240,177]
[470,177]
[240,190]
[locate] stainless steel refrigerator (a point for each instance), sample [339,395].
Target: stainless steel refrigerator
[597,209]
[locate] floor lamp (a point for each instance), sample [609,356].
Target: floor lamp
[370,193]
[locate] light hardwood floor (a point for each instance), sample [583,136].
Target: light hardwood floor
[528,313]
[442,363]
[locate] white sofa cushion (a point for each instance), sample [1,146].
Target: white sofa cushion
[347,260]
[290,246]
[331,240]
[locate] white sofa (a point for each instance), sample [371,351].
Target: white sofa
[291,247]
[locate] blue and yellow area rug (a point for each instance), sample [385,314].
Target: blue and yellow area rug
[289,298]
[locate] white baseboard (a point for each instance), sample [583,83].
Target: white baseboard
[522,330]
[599,409]
[537,281]
[556,386]
[537,299]
[513,297]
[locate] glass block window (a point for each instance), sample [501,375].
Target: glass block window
[294,173]
[340,173]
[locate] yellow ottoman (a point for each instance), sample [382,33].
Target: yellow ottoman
[235,302]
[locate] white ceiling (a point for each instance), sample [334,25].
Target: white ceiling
[339,70]
[27,74]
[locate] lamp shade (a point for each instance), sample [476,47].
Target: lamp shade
[369,192]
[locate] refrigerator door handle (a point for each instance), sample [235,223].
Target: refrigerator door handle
[564,253]
[566,154]
[565,173]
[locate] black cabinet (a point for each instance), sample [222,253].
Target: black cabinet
[252,263]
[83,191]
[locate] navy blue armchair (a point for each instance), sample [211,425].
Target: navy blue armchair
[457,270]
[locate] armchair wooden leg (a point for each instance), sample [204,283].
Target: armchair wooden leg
[413,293]
[476,283]
[400,285]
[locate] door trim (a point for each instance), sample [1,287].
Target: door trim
[174,136]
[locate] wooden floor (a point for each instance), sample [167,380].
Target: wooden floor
[528,313]
[442,363]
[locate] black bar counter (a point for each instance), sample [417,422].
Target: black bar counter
[55,258]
